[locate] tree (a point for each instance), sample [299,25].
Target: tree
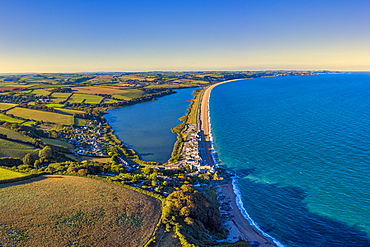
[28,159]
[46,152]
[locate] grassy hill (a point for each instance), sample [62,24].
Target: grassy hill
[74,211]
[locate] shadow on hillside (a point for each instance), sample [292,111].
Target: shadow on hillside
[27,181]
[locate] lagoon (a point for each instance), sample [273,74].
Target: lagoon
[146,127]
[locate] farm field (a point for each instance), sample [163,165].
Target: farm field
[29,123]
[57,142]
[110,101]
[40,86]
[8,174]
[171,85]
[59,97]
[69,111]
[14,149]
[85,98]
[54,105]
[10,119]
[40,92]
[80,122]
[37,115]
[97,90]
[14,135]
[76,211]
[6,106]
[129,94]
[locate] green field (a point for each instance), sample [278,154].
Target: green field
[59,97]
[69,111]
[40,86]
[130,94]
[80,122]
[14,135]
[85,98]
[6,106]
[57,142]
[37,115]
[14,149]
[110,101]
[40,92]
[54,105]
[29,123]
[10,119]
[8,174]
[75,211]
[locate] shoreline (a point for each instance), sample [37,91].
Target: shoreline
[239,226]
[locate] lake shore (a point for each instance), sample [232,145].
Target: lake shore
[238,226]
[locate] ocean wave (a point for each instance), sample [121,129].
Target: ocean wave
[244,212]
[235,184]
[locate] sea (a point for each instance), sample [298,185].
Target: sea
[146,127]
[299,147]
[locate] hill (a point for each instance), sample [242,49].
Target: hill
[74,211]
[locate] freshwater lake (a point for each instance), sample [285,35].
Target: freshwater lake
[146,127]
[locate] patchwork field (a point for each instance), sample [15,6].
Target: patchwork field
[52,117]
[69,111]
[14,135]
[8,174]
[10,119]
[80,122]
[74,211]
[40,92]
[14,149]
[57,142]
[129,94]
[54,105]
[85,98]
[170,85]
[6,106]
[59,97]
[97,90]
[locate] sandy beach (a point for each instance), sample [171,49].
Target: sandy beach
[239,227]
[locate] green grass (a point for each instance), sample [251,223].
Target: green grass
[8,174]
[85,98]
[14,135]
[80,122]
[37,115]
[110,101]
[54,105]
[49,86]
[40,92]
[69,111]
[59,97]
[29,123]
[10,119]
[57,142]
[14,149]
[6,106]
[130,94]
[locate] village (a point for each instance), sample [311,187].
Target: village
[88,140]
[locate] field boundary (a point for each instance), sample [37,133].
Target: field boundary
[18,179]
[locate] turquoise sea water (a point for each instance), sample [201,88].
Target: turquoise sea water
[300,147]
[146,127]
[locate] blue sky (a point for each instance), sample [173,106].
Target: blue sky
[112,35]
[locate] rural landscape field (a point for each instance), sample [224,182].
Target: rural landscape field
[74,211]
[53,135]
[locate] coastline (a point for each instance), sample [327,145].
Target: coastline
[240,226]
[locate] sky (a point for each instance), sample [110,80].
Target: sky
[64,36]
